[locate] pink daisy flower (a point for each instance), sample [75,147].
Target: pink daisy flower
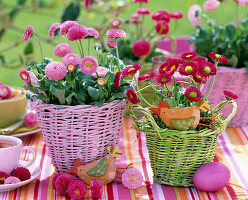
[66,26]
[193,94]
[211,5]
[132,178]
[116,33]
[131,69]
[194,15]
[71,58]
[62,182]
[162,27]
[62,49]
[135,16]
[141,48]
[71,67]
[111,44]
[24,76]
[101,81]
[117,80]
[230,96]
[101,72]
[28,33]
[30,119]
[116,23]
[140,1]
[55,178]
[54,30]
[176,15]
[132,97]
[146,76]
[34,79]
[92,33]
[77,32]
[143,11]
[76,189]
[188,55]
[96,188]
[88,65]
[5,92]
[55,70]
[136,22]
[161,15]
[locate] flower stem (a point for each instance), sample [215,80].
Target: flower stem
[117,54]
[143,19]
[79,48]
[39,46]
[212,84]
[141,96]
[89,47]
[81,45]
[64,38]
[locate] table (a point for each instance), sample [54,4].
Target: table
[232,150]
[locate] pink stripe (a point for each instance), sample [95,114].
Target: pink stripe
[168,192]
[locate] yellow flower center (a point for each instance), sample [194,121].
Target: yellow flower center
[164,79]
[24,76]
[217,56]
[198,76]
[131,69]
[132,178]
[188,56]
[77,191]
[71,58]
[2,91]
[173,67]
[71,67]
[116,23]
[163,27]
[88,64]
[207,70]
[131,96]
[146,75]
[101,82]
[62,48]
[193,94]
[188,69]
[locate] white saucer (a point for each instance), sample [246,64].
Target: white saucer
[35,172]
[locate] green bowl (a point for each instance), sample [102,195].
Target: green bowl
[11,110]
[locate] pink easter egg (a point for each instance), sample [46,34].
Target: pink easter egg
[211,177]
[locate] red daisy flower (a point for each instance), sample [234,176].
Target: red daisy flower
[199,59]
[188,68]
[24,76]
[188,55]
[172,67]
[28,33]
[162,68]
[140,1]
[117,80]
[212,55]
[71,67]
[169,93]
[135,16]
[131,69]
[116,23]
[163,78]
[136,22]
[176,15]
[230,96]
[146,76]
[207,68]
[132,96]
[193,94]
[101,81]
[143,11]
[161,15]
[218,57]
[162,27]
[198,77]
[141,48]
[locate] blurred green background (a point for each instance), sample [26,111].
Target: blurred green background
[43,18]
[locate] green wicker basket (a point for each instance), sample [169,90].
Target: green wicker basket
[176,155]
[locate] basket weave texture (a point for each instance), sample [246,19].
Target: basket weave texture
[176,155]
[81,131]
[234,80]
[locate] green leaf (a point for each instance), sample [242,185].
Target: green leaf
[49,83]
[69,98]
[71,12]
[94,93]
[99,103]
[29,48]
[2,59]
[60,94]
[13,12]
[21,2]
[82,96]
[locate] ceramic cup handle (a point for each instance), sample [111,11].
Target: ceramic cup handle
[28,148]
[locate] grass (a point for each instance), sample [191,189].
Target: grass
[42,20]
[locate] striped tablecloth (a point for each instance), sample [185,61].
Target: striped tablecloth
[232,150]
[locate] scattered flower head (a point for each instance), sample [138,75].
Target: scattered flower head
[55,70]
[88,65]
[132,96]
[230,96]
[96,188]
[116,23]
[28,33]
[62,49]
[5,92]
[116,33]
[30,119]
[24,76]
[71,58]
[141,48]
[132,178]
[54,30]
[193,94]
[76,189]
[66,26]
[77,32]
[62,182]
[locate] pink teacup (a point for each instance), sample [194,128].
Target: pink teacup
[10,151]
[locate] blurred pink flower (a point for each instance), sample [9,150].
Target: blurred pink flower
[243,2]
[77,32]
[92,33]
[101,81]
[30,119]
[66,26]
[111,44]
[34,79]
[54,30]
[211,5]
[24,76]
[88,65]
[135,16]
[162,27]
[101,71]
[116,33]
[194,15]
[140,1]
[96,189]
[176,15]
[28,33]
[116,23]
[143,11]
[141,48]
[71,58]
[55,70]
[5,92]
[62,49]
[88,3]
[136,22]
[161,15]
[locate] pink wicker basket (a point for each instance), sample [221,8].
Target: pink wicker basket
[81,131]
[236,81]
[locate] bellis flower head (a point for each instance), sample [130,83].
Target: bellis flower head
[77,32]
[55,70]
[116,23]
[28,33]
[66,26]
[116,33]
[54,30]
[62,49]
[88,65]
[71,58]
[141,48]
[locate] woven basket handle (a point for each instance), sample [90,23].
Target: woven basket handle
[222,105]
